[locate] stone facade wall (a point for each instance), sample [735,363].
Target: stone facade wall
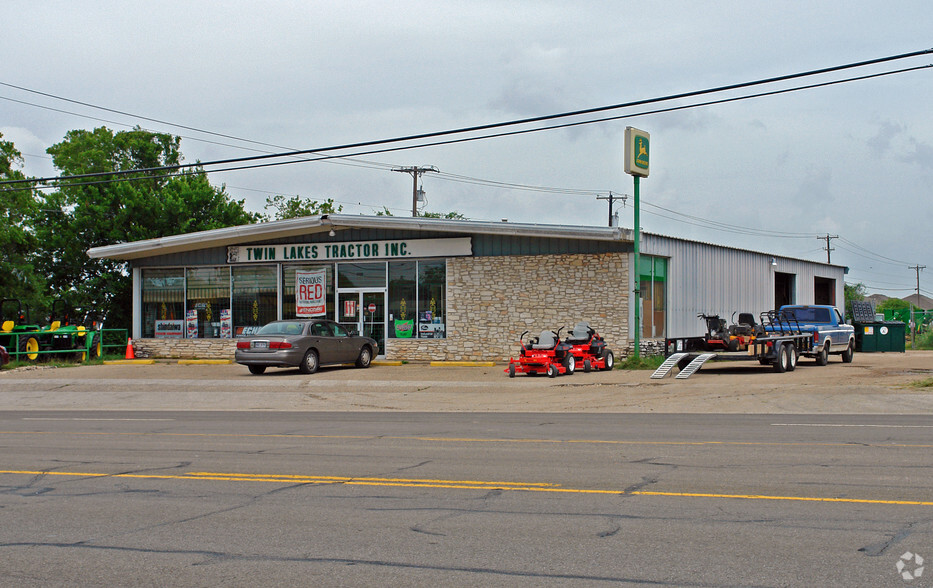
[490,302]
[185,348]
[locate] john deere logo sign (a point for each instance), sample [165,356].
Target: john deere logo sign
[636,152]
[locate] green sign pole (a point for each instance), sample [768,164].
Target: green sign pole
[637,275]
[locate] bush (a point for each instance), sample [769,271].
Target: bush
[651,362]
[924,341]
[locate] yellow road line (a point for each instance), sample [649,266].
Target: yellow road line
[454,484]
[472,439]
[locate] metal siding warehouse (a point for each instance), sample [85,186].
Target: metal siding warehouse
[712,279]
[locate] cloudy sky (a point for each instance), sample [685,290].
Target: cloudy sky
[234,79]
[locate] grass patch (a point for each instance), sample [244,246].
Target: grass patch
[60,361]
[651,362]
[928,383]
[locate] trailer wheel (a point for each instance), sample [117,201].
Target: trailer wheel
[511,370]
[822,357]
[791,357]
[849,353]
[780,363]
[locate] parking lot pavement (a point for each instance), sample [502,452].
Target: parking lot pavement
[873,383]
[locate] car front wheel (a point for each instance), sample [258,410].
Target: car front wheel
[365,358]
[309,363]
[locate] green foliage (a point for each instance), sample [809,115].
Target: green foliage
[453,215]
[18,276]
[295,207]
[854,292]
[895,304]
[650,362]
[927,383]
[96,212]
[924,341]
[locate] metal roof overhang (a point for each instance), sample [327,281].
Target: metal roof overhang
[317,224]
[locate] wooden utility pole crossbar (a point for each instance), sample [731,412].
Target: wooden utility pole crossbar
[415,172]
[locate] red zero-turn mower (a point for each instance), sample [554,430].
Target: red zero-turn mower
[544,354]
[588,348]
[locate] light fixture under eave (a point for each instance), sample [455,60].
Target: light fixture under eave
[773,261]
[332,233]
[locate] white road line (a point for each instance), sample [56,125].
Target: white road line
[851,425]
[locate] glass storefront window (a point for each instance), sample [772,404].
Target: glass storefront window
[403,304]
[432,281]
[361,275]
[255,299]
[163,303]
[288,288]
[208,303]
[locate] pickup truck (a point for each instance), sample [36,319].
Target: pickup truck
[831,334]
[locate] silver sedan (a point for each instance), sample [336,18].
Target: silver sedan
[306,344]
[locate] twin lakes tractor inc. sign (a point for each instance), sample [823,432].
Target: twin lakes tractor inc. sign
[351,250]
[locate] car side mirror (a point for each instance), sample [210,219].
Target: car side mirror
[354,333]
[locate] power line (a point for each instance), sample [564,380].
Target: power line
[113,175]
[525,121]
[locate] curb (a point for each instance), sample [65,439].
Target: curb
[463,364]
[205,361]
[129,362]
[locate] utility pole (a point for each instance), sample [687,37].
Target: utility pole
[913,323]
[611,198]
[828,248]
[416,173]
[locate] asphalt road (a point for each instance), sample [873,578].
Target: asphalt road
[257,498]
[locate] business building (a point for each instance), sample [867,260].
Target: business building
[435,289]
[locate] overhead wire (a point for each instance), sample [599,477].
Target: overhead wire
[524,121]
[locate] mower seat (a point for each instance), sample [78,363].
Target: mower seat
[581,332]
[7,326]
[545,341]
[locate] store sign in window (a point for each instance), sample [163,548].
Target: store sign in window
[349,251]
[310,287]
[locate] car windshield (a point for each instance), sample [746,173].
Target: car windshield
[282,328]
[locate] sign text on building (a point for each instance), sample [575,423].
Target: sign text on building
[354,250]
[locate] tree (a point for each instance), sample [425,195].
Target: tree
[93,212]
[853,292]
[295,207]
[18,276]
[453,215]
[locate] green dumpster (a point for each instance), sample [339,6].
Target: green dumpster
[866,337]
[892,336]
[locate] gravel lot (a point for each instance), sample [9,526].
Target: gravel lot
[875,383]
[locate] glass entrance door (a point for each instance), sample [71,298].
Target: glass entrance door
[365,312]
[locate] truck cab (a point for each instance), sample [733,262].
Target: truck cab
[831,333]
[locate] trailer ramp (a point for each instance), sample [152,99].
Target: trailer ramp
[694,365]
[669,363]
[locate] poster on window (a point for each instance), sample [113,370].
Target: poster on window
[226,324]
[310,287]
[192,321]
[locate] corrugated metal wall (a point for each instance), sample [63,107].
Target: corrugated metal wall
[712,279]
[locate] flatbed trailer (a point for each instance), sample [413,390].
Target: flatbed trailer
[778,342]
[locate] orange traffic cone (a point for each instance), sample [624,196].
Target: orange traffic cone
[129,349]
